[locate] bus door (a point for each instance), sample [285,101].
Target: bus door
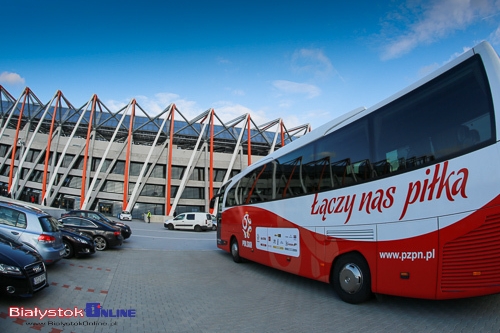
[217,200]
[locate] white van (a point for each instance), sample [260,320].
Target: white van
[190,221]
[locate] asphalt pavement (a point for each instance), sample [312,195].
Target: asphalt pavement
[161,280]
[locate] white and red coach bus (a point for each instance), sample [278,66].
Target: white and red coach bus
[400,199]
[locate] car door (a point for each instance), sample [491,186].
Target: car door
[88,227]
[178,221]
[13,223]
[76,222]
[71,222]
[190,221]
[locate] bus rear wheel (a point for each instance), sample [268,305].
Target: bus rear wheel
[351,278]
[235,250]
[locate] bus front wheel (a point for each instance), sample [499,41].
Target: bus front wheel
[235,250]
[351,278]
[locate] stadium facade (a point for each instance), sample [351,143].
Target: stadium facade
[90,157]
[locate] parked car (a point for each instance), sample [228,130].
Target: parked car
[125,229]
[125,215]
[33,227]
[22,271]
[104,234]
[190,221]
[76,243]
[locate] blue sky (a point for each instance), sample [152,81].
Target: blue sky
[303,61]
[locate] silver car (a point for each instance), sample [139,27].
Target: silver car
[33,227]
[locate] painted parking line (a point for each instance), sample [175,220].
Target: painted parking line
[78,288]
[36,327]
[88,267]
[181,238]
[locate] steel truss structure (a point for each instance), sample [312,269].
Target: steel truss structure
[50,152]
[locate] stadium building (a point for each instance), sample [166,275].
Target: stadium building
[90,157]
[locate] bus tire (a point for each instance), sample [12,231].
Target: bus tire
[235,250]
[351,278]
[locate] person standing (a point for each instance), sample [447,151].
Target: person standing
[149,216]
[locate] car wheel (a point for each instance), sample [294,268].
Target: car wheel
[100,243]
[170,226]
[197,228]
[351,278]
[68,250]
[235,251]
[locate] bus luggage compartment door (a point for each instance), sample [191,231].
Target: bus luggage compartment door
[407,258]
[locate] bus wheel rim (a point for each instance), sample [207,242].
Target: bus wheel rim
[351,278]
[234,249]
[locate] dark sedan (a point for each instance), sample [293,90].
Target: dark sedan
[76,243]
[22,271]
[104,234]
[125,229]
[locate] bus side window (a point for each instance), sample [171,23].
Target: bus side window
[381,168]
[363,170]
[289,180]
[343,172]
[230,198]
[318,176]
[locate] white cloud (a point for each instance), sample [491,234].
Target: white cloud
[221,60]
[432,67]
[312,61]
[114,106]
[285,103]
[11,78]
[494,37]
[157,104]
[238,92]
[456,54]
[227,111]
[428,22]
[289,87]
[427,69]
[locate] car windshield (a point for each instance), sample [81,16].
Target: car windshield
[100,217]
[49,224]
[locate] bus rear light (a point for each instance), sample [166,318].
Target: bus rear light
[46,238]
[476,273]
[404,275]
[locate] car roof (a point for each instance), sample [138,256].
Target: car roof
[89,219]
[24,208]
[82,210]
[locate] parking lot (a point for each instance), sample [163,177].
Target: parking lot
[178,281]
